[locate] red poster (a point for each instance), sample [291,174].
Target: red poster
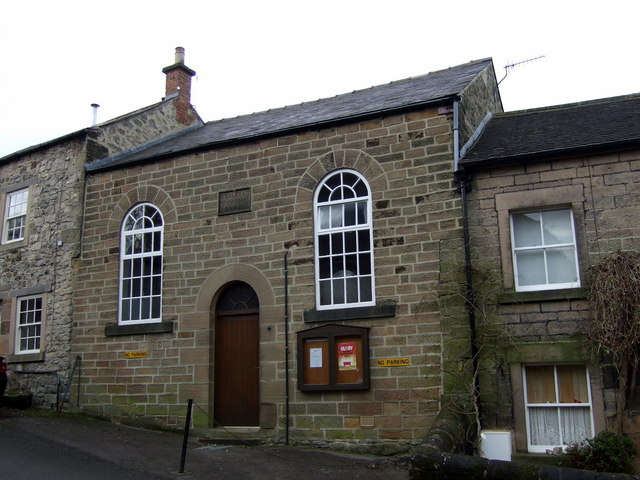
[347,356]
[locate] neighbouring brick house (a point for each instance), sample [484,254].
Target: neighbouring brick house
[181,291]
[553,191]
[41,204]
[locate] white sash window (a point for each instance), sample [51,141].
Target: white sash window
[141,265]
[544,250]
[343,242]
[558,406]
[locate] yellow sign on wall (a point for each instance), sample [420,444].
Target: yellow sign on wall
[138,354]
[393,362]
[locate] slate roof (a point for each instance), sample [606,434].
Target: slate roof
[564,130]
[413,92]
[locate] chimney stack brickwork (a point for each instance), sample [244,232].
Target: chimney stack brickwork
[179,81]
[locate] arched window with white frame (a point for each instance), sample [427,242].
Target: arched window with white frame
[343,242]
[141,246]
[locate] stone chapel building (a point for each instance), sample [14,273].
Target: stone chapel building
[295,272]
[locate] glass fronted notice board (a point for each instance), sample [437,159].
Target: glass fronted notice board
[333,357]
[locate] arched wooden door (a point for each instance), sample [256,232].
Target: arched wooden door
[237,357]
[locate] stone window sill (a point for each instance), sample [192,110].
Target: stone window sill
[26,357]
[114,330]
[508,297]
[382,310]
[16,244]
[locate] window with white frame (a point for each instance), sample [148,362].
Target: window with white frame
[545,256]
[15,216]
[141,265]
[344,242]
[29,317]
[558,406]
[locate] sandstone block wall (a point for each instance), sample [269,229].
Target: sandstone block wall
[407,160]
[606,212]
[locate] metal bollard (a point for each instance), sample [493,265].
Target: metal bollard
[186,436]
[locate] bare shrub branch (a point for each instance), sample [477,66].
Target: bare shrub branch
[614,293]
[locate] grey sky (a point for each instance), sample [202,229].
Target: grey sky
[59,57]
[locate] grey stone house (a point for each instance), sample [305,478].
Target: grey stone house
[296,272]
[551,192]
[41,211]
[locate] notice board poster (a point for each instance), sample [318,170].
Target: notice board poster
[350,363]
[316,367]
[347,356]
[315,358]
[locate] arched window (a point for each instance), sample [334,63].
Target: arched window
[238,297]
[343,242]
[141,265]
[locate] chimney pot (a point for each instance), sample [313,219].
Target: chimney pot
[179,55]
[94,107]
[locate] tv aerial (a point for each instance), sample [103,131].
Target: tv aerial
[511,66]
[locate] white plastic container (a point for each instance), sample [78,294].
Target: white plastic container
[496,445]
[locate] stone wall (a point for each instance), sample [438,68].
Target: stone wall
[42,264]
[480,98]
[407,160]
[135,129]
[603,193]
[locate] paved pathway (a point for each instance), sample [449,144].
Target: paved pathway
[38,445]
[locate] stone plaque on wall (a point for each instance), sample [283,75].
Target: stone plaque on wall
[234,201]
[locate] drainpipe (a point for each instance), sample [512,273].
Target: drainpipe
[464,185]
[469,295]
[286,343]
[456,135]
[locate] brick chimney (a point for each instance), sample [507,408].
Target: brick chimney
[179,81]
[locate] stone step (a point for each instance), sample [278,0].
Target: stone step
[231,441]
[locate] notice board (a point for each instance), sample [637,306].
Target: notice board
[333,357]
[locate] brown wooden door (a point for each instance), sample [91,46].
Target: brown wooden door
[236,369]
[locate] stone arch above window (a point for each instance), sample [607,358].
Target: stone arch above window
[357,160]
[143,194]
